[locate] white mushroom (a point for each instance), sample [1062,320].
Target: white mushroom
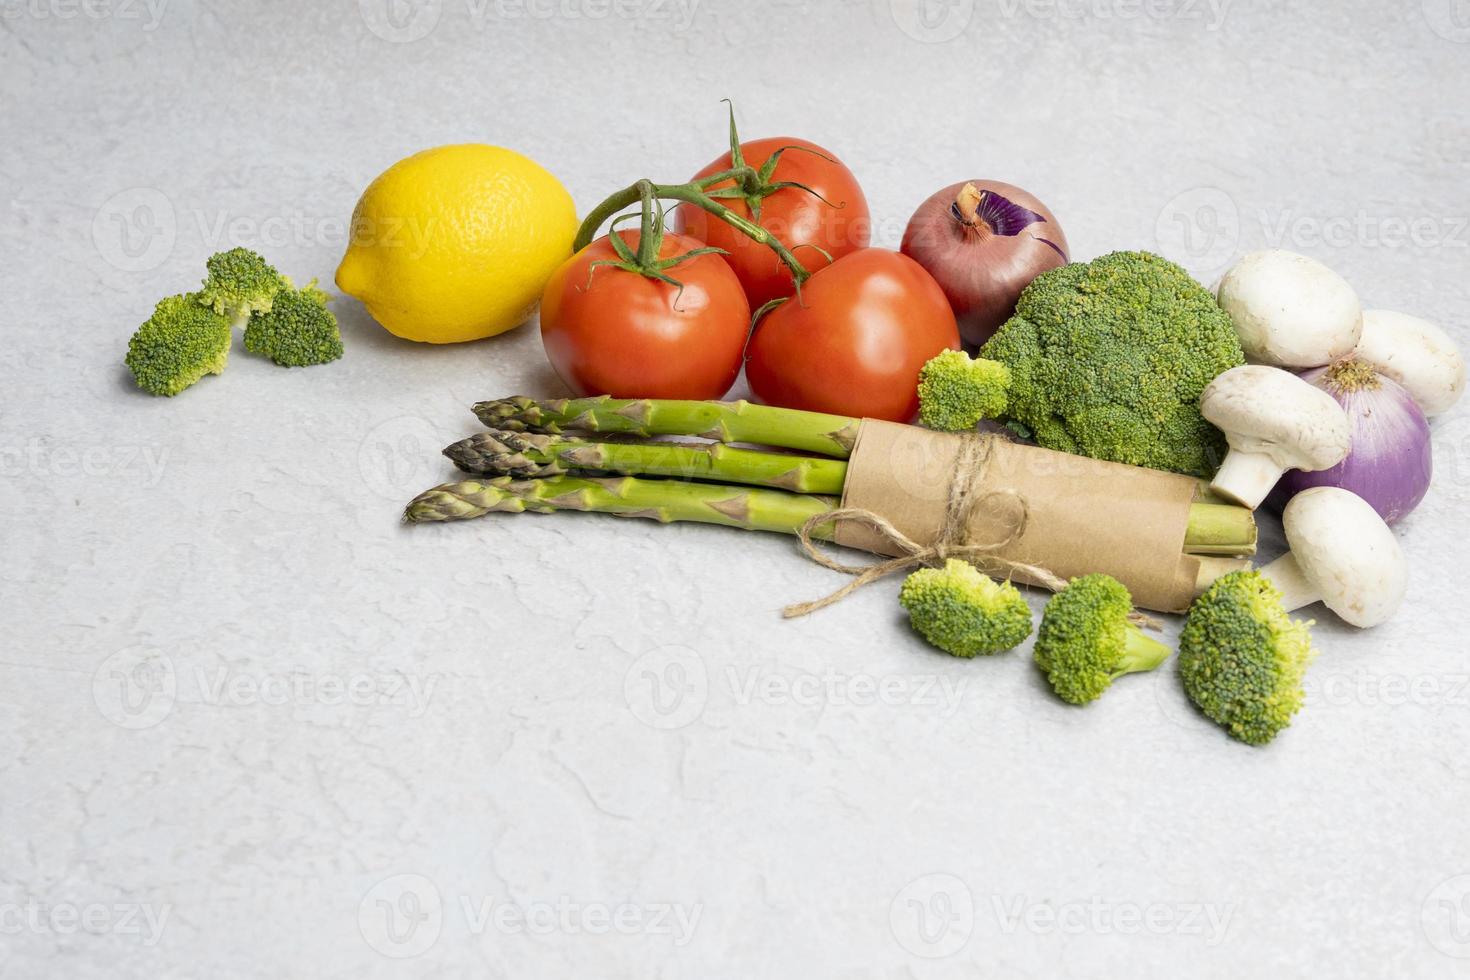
[1415,353]
[1342,554]
[1290,310]
[1274,421]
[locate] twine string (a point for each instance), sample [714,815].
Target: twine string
[951,541]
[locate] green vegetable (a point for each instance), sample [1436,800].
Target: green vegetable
[240,282]
[179,344]
[297,331]
[813,432]
[957,391]
[1107,359]
[963,612]
[661,500]
[527,454]
[189,336]
[1086,640]
[1214,529]
[1242,658]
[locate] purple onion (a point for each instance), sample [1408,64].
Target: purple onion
[1390,463]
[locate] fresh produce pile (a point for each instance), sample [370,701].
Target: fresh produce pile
[1183,408]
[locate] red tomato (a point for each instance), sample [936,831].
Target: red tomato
[793,215]
[853,344]
[608,331]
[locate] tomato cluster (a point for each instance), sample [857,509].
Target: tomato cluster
[840,326]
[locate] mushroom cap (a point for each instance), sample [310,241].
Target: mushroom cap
[1415,353]
[1290,310]
[1346,550]
[1275,413]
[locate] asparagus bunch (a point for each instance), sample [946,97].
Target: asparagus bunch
[1214,528]
[545,456]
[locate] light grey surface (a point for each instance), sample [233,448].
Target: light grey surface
[186,792]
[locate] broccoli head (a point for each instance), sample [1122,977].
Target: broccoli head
[1108,359]
[963,612]
[1086,640]
[297,331]
[179,344]
[1242,658]
[956,391]
[240,283]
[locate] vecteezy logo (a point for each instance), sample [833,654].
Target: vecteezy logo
[667,688]
[397,457]
[401,916]
[1445,917]
[401,21]
[1450,19]
[1451,442]
[134,230]
[1172,701]
[933,916]
[1199,229]
[932,21]
[135,688]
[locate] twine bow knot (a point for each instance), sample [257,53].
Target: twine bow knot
[952,541]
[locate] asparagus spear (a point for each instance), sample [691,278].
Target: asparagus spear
[751,508]
[527,454]
[813,432]
[1220,529]
[1214,529]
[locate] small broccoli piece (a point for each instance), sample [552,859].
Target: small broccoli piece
[1242,658]
[240,282]
[963,612]
[1086,640]
[179,344]
[297,331]
[1109,358]
[956,391]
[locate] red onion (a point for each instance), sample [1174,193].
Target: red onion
[1390,462]
[983,242]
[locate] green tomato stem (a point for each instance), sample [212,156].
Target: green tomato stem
[645,191]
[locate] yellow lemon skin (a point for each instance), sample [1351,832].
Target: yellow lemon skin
[456,243]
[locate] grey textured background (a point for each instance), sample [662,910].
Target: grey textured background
[250,726]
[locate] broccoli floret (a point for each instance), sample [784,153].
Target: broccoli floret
[297,331]
[1108,359]
[963,612]
[179,344]
[240,282]
[956,391]
[1086,640]
[1242,658]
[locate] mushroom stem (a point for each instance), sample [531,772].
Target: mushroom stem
[1296,589]
[1247,477]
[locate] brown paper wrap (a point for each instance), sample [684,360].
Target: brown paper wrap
[1083,515]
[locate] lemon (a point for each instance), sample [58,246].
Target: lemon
[456,243]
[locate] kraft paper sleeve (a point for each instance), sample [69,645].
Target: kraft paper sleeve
[1084,515]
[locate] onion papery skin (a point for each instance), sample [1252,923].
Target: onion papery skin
[1391,461]
[983,271]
